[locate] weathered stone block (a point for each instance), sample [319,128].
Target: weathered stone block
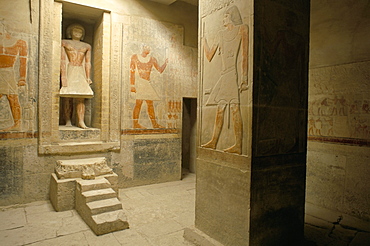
[62,193]
[82,168]
[155,160]
[113,180]
[223,202]
[76,133]
[99,206]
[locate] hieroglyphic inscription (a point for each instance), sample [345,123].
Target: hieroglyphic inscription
[115,75]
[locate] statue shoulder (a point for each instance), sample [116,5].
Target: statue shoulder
[65,42]
[244,28]
[88,46]
[134,57]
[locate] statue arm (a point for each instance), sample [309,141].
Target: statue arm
[23,62]
[88,64]
[63,68]
[132,73]
[210,52]
[245,52]
[159,68]
[245,49]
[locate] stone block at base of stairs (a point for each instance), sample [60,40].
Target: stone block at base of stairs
[109,222]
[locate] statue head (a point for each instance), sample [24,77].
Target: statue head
[71,27]
[145,49]
[234,14]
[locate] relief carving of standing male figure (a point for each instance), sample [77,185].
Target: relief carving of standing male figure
[11,51]
[233,42]
[140,70]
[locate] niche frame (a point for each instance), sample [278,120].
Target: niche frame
[106,107]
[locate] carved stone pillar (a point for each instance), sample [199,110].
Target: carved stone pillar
[251,162]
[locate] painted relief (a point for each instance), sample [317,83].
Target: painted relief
[174,111]
[13,70]
[335,112]
[231,46]
[75,74]
[140,70]
[158,74]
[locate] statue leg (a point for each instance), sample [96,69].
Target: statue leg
[238,130]
[67,110]
[152,115]
[16,112]
[136,113]
[219,121]
[81,112]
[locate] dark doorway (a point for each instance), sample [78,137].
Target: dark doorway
[189,125]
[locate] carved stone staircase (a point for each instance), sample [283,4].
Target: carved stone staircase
[98,205]
[89,186]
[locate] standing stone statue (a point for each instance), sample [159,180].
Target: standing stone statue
[75,74]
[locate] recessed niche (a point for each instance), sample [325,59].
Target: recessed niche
[54,136]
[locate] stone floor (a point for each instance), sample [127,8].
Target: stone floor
[157,215]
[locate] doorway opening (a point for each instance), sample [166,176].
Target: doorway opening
[189,128]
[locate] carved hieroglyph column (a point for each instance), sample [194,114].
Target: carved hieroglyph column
[252,131]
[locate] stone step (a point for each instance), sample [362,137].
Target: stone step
[95,195]
[94,184]
[102,206]
[108,222]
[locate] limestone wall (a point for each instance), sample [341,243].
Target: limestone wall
[339,114]
[31,138]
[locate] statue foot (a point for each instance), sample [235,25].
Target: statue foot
[235,149]
[137,125]
[82,125]
[156,125]
[210,145]
[15,127]
[68,123]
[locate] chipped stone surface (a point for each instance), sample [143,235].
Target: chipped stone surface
[82,168]
[62,193]
[103,214]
